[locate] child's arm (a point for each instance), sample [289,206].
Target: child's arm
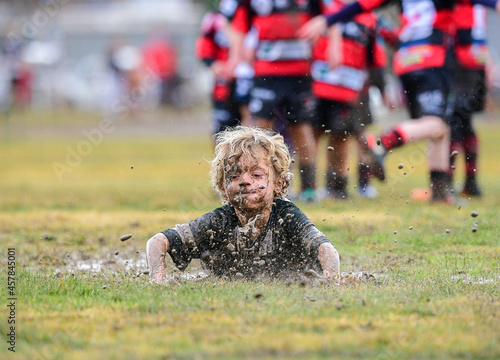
[156,250]
[329,259]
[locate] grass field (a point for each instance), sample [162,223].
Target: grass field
[66,198]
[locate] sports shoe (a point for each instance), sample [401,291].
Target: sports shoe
[471,188]
[376,151]
[368,191]
[308,196]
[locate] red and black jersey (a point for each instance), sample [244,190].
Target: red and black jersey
[279,51]
[426,26]
[470,34]
[212,45]
[360,51]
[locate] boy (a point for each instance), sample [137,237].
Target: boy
[469,64]
[338,83]
[257,231]
[212,47]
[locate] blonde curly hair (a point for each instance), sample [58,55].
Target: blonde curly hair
[234,142]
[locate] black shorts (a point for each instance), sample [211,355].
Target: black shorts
[470,89]
[285,96]
[340,118]
[242,90]
[429,93]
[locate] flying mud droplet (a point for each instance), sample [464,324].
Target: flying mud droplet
[257,295]
[104,287]
[395,232]
[330,148]
[454,153]
[132,166]
[411,228]
[339,306]
[379,141]
[262,186]
[145,272]
[474,214]
[117,252]
[448,231]
[239,275]
[126,237]
[400,166]
[474,229]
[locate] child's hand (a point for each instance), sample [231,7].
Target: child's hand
[313,29]
[156,249]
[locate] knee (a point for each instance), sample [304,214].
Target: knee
[441,130]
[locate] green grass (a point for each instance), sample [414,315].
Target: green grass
[435,296]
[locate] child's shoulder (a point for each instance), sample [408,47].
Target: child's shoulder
[226,210]
[284,206]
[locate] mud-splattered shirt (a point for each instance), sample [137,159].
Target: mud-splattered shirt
[289,243]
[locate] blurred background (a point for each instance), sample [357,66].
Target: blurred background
[102,55]
[86,54]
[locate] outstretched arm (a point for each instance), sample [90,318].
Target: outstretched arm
[329,259]
[156,249]
[317,25]
[492,4]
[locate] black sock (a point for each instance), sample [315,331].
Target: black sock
[307,176]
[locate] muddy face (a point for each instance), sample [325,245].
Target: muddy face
[249,184]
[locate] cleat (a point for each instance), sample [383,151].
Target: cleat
[368,191]
[471,188]
[308,196]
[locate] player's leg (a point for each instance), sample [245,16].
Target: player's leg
[337,160]
[299,110]
[474,103]
[428,99]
